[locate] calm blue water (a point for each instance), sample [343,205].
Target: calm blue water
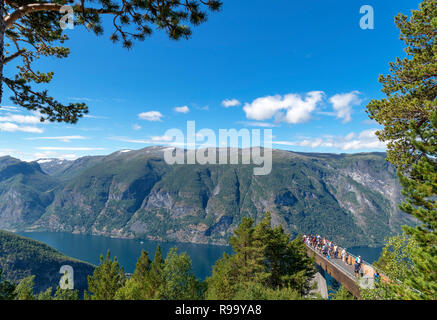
[368,254]
[89,248]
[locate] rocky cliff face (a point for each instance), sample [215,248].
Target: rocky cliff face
[350,198]
[25,193]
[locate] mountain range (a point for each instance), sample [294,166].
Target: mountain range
[349,198]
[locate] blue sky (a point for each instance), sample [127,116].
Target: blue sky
[304,69]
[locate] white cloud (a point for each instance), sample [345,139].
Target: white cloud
[350,136]
[89,116]
[52,154]
[9,109]
[257,124]
[183,109]
[136,127]
[24,156]
[151,140]
[129,140]
[68,149]
[162,138]
[151,116]
[291,108]
[21,119]
[342,104]
[370,122]
[14,122]
[12,127]
[155,140]
[231,103]
[60,138]
[8,152]
[365,140]
[80,99]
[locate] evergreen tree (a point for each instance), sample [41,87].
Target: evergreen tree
[301,267]
[420,191]
[394,263]
[60,294]
[410,88]
[6,288]
[106,280]
[342,294]
[264,257]
[409,116]
[169,279]
[257,291]
[25,289]
[286,261]
[66,294]
[249,253]
[142,267]
[156,278]
[179,282]
[46,295]
[221,284]
[138,287]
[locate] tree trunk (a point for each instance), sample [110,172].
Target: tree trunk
[2,34]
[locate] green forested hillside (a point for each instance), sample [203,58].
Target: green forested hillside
[25,193]
[21,257]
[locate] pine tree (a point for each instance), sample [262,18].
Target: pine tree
[394,264]
[257,291]
[408,115]
[106,280]
[420,190]
[46,295]
[287,264]
[222,283]
[179,282]
[249,253]
[142,267]
[156,278]
[264,257]
[342,294]
[301,267]
[411,88]
[138,287]
[66,294]
[31,29]
[25,289]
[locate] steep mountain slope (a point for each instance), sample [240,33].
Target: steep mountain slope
[65,169]
[25,193]
[21,257]
[350,198]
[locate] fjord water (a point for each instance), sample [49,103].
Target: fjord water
[369,254]
[89,248]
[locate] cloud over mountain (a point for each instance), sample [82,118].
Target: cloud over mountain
[290,108]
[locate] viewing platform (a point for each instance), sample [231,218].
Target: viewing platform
[343,271]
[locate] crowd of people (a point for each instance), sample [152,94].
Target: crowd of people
[331,250]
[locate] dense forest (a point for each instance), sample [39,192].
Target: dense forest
[21,257]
